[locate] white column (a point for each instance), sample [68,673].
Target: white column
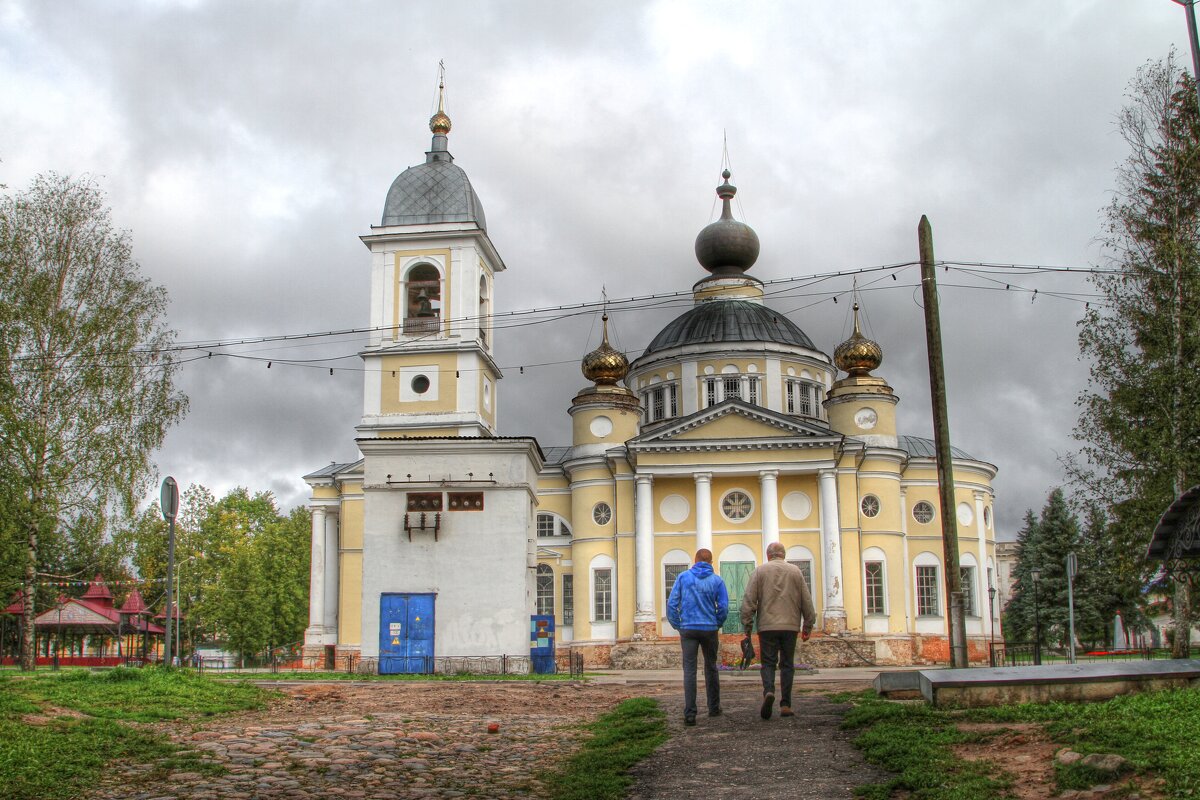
[643,548]
[332,566]
[981,527]
[908,571]
[316,585]
[703,510]
[768,487]
[831,549]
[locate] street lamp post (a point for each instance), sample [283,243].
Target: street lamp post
[1037,620]
[992,614]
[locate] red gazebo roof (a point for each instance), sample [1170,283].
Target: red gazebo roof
[98,592]
[134,604]
[18,604]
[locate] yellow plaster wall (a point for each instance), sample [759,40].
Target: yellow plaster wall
[446,364]
[731,426]
[665,487]
[741,364]
[626,587]
[326,492]
[350,599]
[896,574]
[722,485]
[806,483]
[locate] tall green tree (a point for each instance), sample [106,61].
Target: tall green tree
[88,383]
[1140,414]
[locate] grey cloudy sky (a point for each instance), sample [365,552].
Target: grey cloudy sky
[248,145]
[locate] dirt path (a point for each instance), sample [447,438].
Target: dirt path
[739,755]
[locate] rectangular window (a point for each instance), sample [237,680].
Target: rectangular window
[874,586]
[710,391]
[806,570]
[568,600]
[602,595]
[806,400]
[732,386]
[791,397]
[966,576]
[673,391]
[670,573]
[545,525]
[657,404]
[927,592]
[752,391]
[545,592]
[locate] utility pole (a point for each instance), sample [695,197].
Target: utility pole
[957,628]
[1190,6]
[169,504]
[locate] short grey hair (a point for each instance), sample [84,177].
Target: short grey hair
[776,550]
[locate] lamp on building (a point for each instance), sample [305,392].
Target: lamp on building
[1037,619]
[992,614]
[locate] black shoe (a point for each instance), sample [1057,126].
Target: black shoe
[690,719]
[767,704]
[716,712]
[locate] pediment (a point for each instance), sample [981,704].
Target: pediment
[72,613]
[734,420]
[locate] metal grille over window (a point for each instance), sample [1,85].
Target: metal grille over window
[923,512]
[870,506]
[602,593]
[568,599]
[927,591]
[967,578]
[874,587]
[736,505]
[806,570]
[601,513]
[670,573]
[545,589]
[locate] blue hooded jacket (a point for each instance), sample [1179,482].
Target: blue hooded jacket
[698,601]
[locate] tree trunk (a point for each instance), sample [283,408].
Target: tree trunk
[28,653]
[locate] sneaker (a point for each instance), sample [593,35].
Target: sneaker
[716,712]
[786,711]
[690,719]
[767,704]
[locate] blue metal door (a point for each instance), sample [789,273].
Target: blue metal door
[405,633]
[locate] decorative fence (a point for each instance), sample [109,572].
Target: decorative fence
[566,662]
[1028,654]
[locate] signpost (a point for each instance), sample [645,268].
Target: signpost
[168,500]
[1072,568]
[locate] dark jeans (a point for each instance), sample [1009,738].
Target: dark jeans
[706,641]
[777,647]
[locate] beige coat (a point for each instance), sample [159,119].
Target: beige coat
[780,597]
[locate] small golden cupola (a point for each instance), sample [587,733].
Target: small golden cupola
[605,366]
[862,405]
[605,413]
[858,355]
[439,123]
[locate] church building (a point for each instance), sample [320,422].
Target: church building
[731,431]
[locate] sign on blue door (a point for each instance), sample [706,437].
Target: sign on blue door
[405,633]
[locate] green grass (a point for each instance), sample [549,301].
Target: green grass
[1156,732]
[914,741]
[620,739]
[57,756]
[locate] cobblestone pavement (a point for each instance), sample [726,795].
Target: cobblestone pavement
[375,740]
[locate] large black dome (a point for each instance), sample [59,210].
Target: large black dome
[729,321]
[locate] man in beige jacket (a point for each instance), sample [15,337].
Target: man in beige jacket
[779,597]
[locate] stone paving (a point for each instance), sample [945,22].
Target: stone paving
[374,740]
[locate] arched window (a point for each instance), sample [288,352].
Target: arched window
[545,589]
[484,310]
[875,581]
[423,299]
[552,525]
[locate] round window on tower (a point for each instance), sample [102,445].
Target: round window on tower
[923,512]
[420,384]
[736,506]
[601,513]
[870,506]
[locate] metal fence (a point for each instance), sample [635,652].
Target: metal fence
[566,662]
[1028,654]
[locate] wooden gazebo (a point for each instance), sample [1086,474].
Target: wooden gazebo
[1176,539]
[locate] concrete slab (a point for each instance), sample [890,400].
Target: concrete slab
[890,684]
[1099,680]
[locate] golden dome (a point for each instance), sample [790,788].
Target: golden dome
[605,365]
[858,355]
[439,123]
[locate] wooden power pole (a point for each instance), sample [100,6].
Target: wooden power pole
[957,628]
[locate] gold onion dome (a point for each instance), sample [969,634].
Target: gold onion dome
[605,365]
[858,355]
[439,123]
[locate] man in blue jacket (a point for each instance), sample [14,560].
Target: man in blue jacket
[697,608]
